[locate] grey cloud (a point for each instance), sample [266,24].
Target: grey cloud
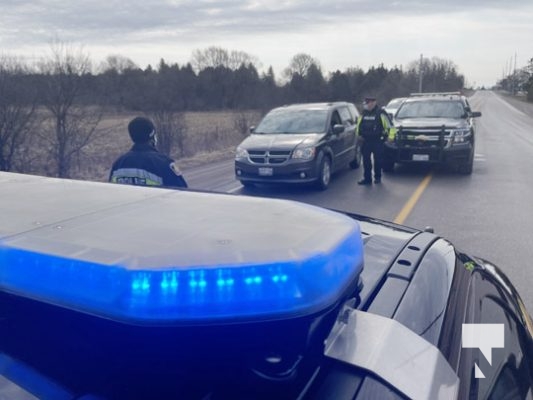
[105,21]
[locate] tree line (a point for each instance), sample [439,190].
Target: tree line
[519,80]
[61,99]
[216,79]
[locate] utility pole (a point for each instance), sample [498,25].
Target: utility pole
[514,76]
[420,73]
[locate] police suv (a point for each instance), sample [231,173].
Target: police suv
[435,128]
[122,292]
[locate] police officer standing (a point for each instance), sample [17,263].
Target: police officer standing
[373,128]
[144,165]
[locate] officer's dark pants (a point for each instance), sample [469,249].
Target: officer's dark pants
[369,148]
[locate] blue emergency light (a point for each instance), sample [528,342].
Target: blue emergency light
[161,256]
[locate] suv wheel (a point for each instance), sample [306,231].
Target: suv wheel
[467,167]
[356,162]
[324,173]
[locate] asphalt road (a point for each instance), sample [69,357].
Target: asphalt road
[488,214]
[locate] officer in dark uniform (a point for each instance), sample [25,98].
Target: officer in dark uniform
[143,165]
[373,128]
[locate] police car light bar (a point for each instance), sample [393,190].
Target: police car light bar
[161,256]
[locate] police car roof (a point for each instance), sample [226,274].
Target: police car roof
[58,223]
[166,255]
[312,106]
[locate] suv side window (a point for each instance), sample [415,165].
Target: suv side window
[353,112]
[467,105]
[346,117]
[335,119]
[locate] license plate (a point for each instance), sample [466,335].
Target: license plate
[420,157]
[265,171]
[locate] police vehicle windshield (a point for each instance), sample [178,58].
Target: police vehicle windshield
[431,109]
[395,103]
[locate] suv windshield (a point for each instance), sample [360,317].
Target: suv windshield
[394,103]
[431,109]
[293,121]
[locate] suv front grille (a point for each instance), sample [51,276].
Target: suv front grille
[265,157]
[424,139]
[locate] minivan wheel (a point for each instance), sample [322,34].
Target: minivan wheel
[324,173]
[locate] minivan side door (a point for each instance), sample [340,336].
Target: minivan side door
[336,140]
[348,136]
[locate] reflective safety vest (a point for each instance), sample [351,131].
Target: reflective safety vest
[374,125]
[143,165]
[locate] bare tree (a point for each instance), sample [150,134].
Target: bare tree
[529,84]
[171,128]
[73,125]
[116,74]
[117,63]
[17,111]
[436,74]
[210,57]
[239,58]
[300,65]
[244,120]
[213,57]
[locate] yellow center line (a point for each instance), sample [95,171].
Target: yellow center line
[408,207]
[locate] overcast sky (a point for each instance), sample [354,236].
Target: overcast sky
[482,37]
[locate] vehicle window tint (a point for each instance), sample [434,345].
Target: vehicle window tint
[507,369]
[346,117]
[353,112]
[335,118]
[508,373]
[467,105]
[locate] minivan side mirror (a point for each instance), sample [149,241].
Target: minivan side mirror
[252,129]
[338,129]
[475,114]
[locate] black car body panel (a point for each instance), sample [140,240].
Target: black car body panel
[416,283]
[492,299]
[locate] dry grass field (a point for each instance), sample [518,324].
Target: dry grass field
[208,136]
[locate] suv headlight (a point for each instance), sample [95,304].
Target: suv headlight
[241,154]
[304,153]
[461,135]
